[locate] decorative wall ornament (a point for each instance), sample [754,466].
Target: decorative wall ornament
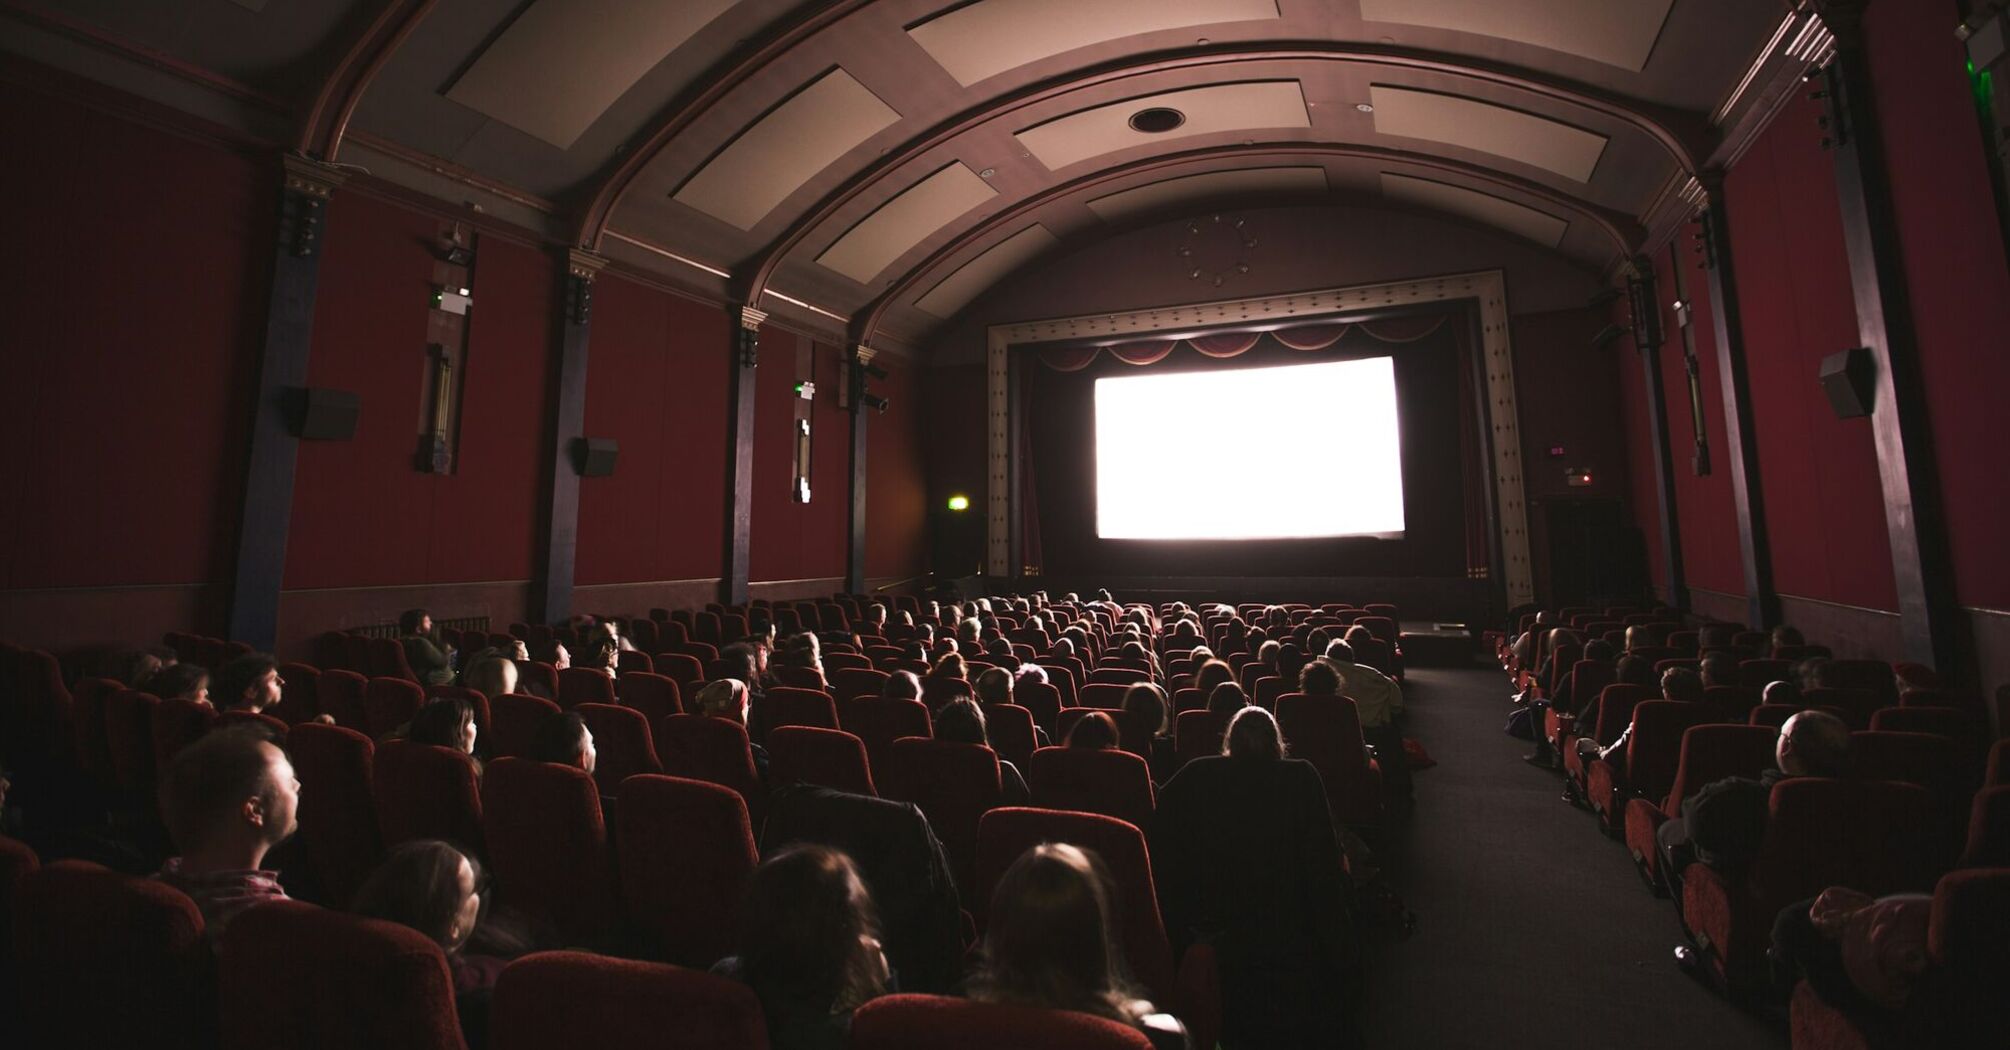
[1215,249]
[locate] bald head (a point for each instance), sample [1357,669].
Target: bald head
[1813,744]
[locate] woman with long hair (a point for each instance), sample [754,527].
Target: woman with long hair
[437,890]
[1052,942]
[809,947]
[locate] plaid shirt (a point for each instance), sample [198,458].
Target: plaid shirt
[222,894]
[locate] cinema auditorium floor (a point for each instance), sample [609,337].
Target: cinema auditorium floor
[1533,929]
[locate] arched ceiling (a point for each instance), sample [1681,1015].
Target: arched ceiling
[881,163]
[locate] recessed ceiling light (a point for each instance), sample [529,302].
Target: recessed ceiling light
[987,173]
[1156,120]
[1364,107]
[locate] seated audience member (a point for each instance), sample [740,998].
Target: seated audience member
[994,686]
[563,739]
[1052,943]
[1319,678]
[1677,683]
[1096,731]
[447,722]
[431,659]
[951,666]
[135,668]
[433,888]
[1781,692]
[1147,701]
[1719,668]
[1565,698]
[251,684]
[902,685]
[181,682]
[1522,649]
[1630,670]
[601,654]
[1861,954]
[556,654]
[809,947]
[1723,824]
[728,698]
[1227,698]
[1378,701]
[1785,637]
[1029,673]
[227,800]
[1715,636]
[998,651]
[1815,672]
[491,676]
[1210,674]
[961,721]
[1246,858]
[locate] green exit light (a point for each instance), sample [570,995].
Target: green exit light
[959,503]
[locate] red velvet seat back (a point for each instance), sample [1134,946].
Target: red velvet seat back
[1997,771]
[129,739]
[1588,678]
[87,713]
[302,692]
[1988,838]
[715,750]
[798,677]
[1134,728]
[1712,752]
[516,719]
[930,1022]
[104,959]
[536,678]
[1119,676]
[1732,702]
[566,999]
[851,682]
[1199,734]
[628,660]
[1043,699]
[16,861]
[293,975]
[389,703]
[687,850]
[657,696]
[1011,732]
[623,743]
[830,758]
[340,694]
[584,685]
[1760,673]
[1655,749]
[1945,721]
[1970,926]
[1007,833]
[388,660]
[796,706]
[1615,711]
[427,792]
[547,845]
[1326,731]
[683,668]
[954,784]
[355,654]
[1113,783]
[879,721]
[1872,836]
[1105,695]
[1771,716]
[178,723]
[338,805]
[937,690]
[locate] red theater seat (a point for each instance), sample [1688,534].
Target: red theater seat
[657,696]
[715,750]
[1043,699]
[930,1022]
[548,845]
[338,805]
[954,784]
[129,738]
[584,685]
[293,975]
[879,721]
[1199,734]
[427,792]
[1988,844]
[1113,783]
[389,703]
[1647,767]
[852,682]
[176,724]
[794,706]
[516,719]
[829,758]
[1011,731]
[1326,731]
[567,999]
[107,960]
[687,850]
[623,743]
[302,692]
[341,697]
[1708,753]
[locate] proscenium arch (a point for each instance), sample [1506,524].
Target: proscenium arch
[1622,230]
[1658,123]
[326,122]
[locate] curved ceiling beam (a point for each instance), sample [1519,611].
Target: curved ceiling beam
[714,84]
[327,120]
[1622,230]
[1677,132]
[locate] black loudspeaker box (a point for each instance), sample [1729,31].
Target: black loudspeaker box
[594,457]
[325,415]
[1849,378]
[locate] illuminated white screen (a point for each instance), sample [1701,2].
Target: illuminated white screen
[1254,453]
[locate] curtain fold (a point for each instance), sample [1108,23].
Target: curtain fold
[1225,344]
[1311,336]
[1404,329]
[1144,352]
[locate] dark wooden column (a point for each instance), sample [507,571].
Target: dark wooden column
[746,350]
[854,566]
[551,601]
[1645,307]
[282,373]
[1484,426]
[1920,560]
[1762,602]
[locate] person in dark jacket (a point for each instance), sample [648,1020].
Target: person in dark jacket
[1723,824]
[431,660]
[1247,860]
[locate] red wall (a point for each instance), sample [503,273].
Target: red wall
[896,497]
[1956,274]
[134,304]
[657,383]
[799,541]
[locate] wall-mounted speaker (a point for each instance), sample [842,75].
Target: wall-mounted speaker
[320,414]
[1849,378]
[594,457]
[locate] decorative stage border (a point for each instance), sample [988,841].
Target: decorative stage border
[1487,289]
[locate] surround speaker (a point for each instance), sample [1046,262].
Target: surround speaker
[594,457]
[1849,378]
[319,414]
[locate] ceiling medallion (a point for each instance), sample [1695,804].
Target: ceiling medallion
[1215,248]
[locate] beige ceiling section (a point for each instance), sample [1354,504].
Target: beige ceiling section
[1538,226]
[1154,196]
[1247,106]
[558,67]
[1616,32]
[970,280]
[1457,121]
[905,221]
[785,149]
[989,37]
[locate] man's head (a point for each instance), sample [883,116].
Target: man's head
[994,686]
[1720,668]
[415,621]
[563,738]
[1319,678]
[902,685]
[1680,683]
[249,683]
[1813,744]
[1339,652]
[231,791]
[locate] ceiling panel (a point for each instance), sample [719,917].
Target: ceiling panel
[1538,226]
[992,36]
[970,280]
[785,149]
[559,66]
[1247,106]
[1155,196]
[1616,32]
[905,221]
[1458,121]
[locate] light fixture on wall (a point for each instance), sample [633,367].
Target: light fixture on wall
[1204,250]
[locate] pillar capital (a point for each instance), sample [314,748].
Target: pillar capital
[584,264]
[750,318]
[312,178]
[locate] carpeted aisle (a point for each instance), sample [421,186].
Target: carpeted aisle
[1533,929]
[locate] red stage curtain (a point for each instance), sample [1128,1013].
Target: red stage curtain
[1067,358]
[1144,352]
[1311,336]
[1403,329]
[1225,344]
